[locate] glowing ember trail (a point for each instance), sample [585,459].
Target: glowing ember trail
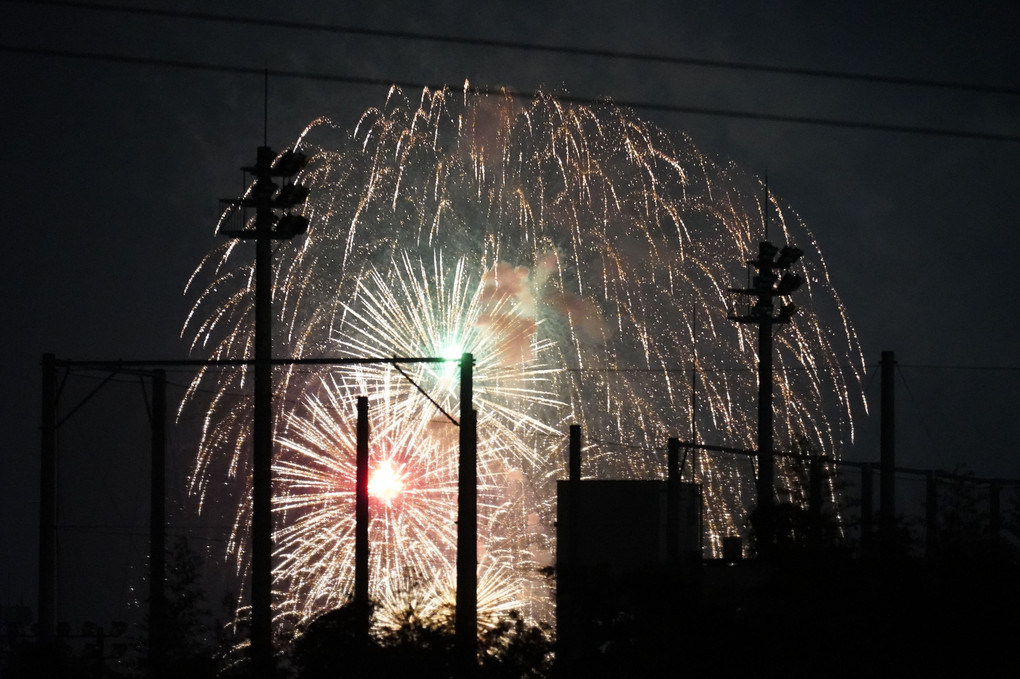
[582,255]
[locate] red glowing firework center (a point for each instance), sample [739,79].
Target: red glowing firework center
[385,482]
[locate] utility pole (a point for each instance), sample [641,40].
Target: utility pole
[574,477]
[694,393]
[931,514]
[814,500]
[994,513]
[273,221]
[673,504]
[887,454]
[466,620]
[766,285]
[361,605]
[157,528]
[48,503]
[867,515]
[569,593]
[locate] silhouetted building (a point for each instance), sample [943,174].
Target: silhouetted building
[628,554]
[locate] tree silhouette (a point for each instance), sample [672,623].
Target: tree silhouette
[333,645]
[189,642]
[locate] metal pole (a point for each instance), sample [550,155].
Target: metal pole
[157,528]
[867,507]
[673,502]
[766,286]
[994,512]
[262,431]
[765,462]
[48,502]
[694,395]
[361,606]
[466,621]
[931,514]
[814,501]
[887,475]
[766,500]
[574,483]
[569,591]
[268,227]
[574,453]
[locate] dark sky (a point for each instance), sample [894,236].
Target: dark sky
[111,173]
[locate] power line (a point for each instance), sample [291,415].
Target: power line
[381,82]
[533,47]
[980,368]
[920,414]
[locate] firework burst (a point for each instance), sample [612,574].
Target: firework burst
[583,256]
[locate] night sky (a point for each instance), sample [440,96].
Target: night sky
[111,175]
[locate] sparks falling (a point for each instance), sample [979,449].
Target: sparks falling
[583,256]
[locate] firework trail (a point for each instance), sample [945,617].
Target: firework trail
[583,256]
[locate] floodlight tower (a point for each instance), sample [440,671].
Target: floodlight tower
[766,285]
[274,219]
